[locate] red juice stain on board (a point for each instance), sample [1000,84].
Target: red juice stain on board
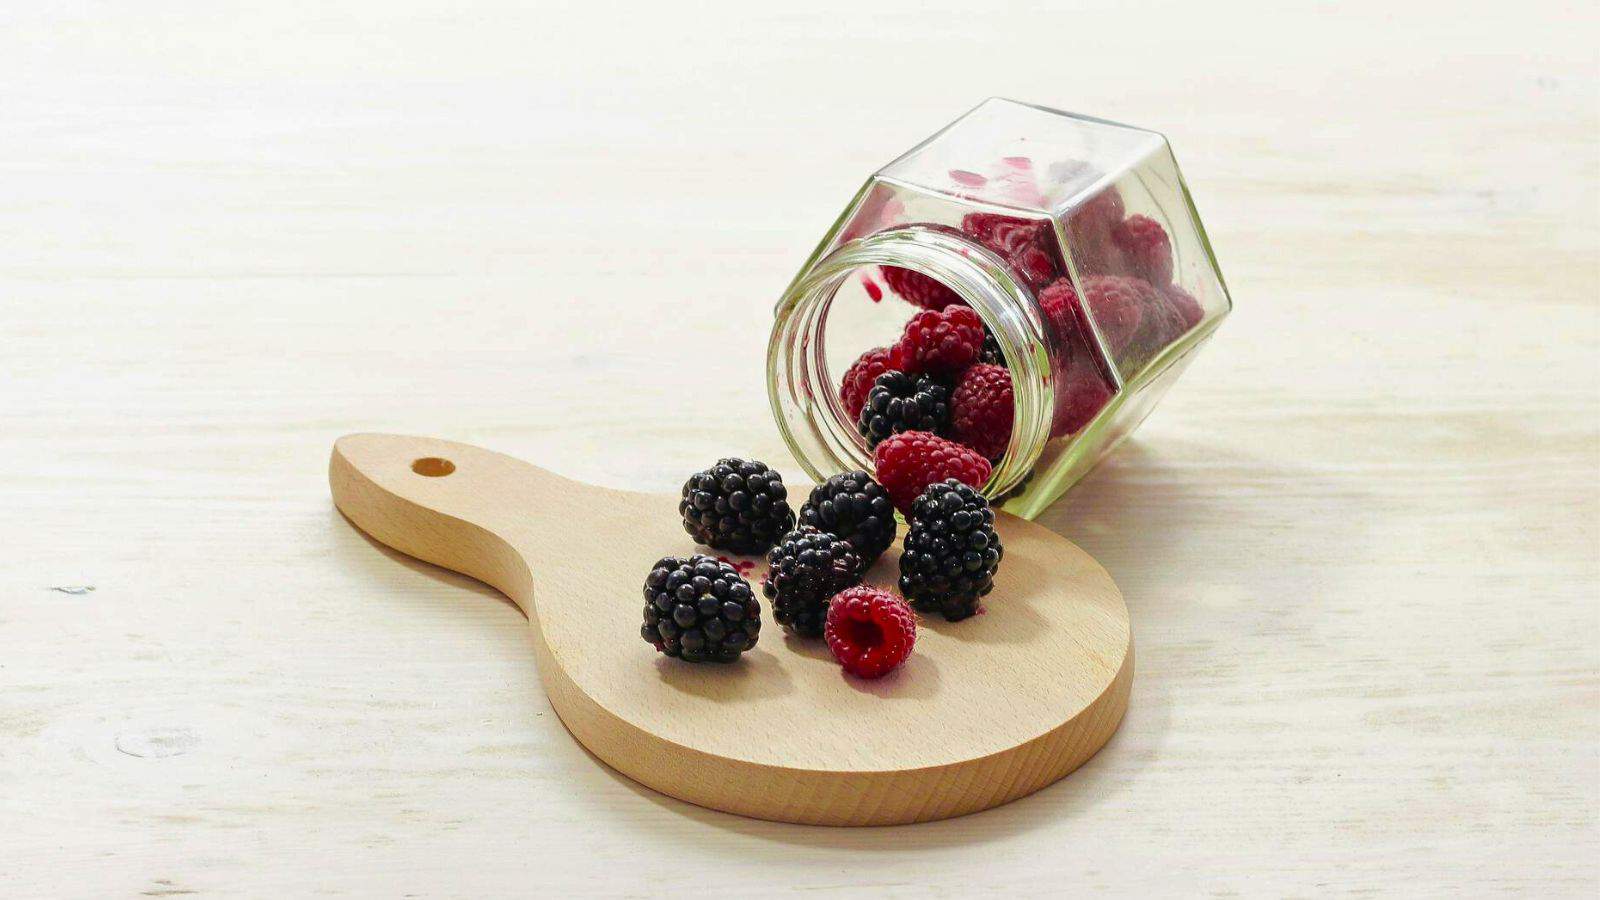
[967,179]
[742,565]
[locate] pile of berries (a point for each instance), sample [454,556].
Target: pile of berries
[936,409]
[701,608]
[944,377]
[1128,293]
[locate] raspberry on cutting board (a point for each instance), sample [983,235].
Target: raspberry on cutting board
[871,632]
[907,463]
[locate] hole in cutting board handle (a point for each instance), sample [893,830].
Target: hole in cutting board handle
[433,467]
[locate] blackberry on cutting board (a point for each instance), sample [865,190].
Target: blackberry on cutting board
[900,401]
[700,609]
[951,551]
[854,507]
[806,569]
[738,504]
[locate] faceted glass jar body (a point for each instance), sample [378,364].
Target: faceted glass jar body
[1075,241]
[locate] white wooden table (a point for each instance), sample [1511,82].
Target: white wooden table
[1360,541]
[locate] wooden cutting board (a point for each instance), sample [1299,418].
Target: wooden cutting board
[985,711]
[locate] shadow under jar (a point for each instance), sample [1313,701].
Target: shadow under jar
[1073,239]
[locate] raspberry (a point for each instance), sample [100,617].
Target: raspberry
[1146,249]
[1162,324]
[862,373]
[981,409]
[1059,304]
[907,463]
[1171,312]
[1029,245]
[1189,309]
[1081,392]
[1032,251]
[1118,305]
[902,402]
[1104,210]
[919,289]
[941,342]
[1089,231]
[699,609]
[951,551]
[737,504]
[805,569]
[870,631]
[983,225]
[857,509]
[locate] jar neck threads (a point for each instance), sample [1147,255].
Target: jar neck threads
[805,396]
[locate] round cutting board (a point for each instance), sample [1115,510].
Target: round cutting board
[986,710]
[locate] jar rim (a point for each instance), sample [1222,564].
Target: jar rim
[804,396]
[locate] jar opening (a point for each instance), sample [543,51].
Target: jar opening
[814,342]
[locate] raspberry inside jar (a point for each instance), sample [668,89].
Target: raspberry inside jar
[1024,284]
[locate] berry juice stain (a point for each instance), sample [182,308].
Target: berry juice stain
[874,293]
[967,179]
[742,565]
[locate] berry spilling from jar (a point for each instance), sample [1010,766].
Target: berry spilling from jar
[946,375]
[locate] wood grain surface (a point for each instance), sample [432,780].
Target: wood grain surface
[1359,541]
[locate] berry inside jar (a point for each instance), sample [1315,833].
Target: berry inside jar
[1017,303]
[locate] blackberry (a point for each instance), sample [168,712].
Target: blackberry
[738,505]
[991,352]
[1016,489]
[951,551]
[900,401]
[700,609]
[854,507]
[804,571]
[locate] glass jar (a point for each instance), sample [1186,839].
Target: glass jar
[1073,239]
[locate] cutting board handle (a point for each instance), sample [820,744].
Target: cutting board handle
[454,505]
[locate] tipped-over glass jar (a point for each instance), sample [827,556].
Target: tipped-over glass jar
[1076,243]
